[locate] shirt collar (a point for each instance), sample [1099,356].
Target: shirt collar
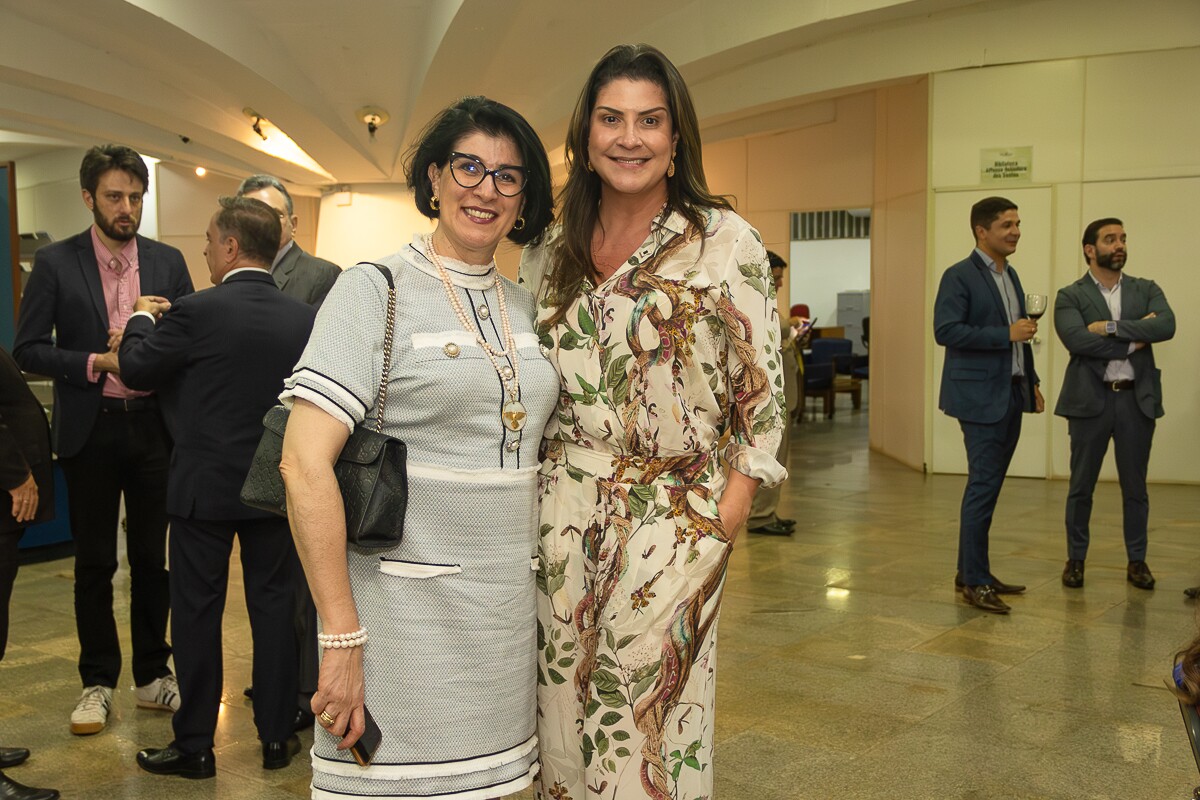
[1101,287]
[104,256]
[233,272]
[988,261]
[283,251]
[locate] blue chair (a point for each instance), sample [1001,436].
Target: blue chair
[821,365]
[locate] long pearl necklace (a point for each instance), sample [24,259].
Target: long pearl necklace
[513,414]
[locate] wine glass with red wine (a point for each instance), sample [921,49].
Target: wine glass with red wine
[1035,306]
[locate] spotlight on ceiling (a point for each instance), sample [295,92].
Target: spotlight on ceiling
[256,121]
[373,117]
[201,172]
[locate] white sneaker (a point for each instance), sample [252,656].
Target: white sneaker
[91,712]
[161,693]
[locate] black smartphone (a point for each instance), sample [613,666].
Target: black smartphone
[364,749]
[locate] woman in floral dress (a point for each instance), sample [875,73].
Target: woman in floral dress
[655,304]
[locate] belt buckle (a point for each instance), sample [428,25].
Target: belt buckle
[1114,386]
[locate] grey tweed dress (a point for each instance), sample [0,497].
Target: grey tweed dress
[451,612]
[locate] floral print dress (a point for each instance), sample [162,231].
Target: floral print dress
[657,364]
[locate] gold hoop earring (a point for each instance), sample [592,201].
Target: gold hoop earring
[434,204]
[519,225]
[671,168]
[589,167]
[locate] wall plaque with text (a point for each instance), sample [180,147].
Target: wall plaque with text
[1006,165]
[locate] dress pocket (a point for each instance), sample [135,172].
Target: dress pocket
[416,569]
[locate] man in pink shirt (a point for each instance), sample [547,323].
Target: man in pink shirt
[110,440]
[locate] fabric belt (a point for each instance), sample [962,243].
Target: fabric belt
[122,404]
[1119,386]
[687,468]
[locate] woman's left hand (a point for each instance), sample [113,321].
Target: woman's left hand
[340,694]
[734,506]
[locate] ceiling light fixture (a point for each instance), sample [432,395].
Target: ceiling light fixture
[201,172]
[276,143]
[256,121]
[373,117]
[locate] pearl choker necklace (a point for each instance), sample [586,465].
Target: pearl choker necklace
[513,414]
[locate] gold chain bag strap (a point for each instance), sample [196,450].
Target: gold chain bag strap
[371,469]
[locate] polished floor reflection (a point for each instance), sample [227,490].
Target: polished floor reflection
[847,667]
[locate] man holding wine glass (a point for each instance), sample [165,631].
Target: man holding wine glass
[988,382]
[1111,390]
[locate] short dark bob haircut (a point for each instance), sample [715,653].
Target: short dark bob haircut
[254,224]
[481,115]
[106,157]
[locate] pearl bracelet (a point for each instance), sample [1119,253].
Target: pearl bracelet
[341,640]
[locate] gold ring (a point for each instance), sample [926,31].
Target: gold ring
[326,720]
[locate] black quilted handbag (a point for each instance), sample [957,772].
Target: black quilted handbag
[370,470]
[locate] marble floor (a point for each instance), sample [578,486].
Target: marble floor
[848,668]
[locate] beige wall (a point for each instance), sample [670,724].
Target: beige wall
[186,203]
[864,149]
[1111,136]
[899,326]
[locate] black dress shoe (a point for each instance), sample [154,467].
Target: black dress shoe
[984,598]
[1139,575]
[772,529]
[304,720]
[11,756]
[277,755]
[999,586]
[170,760]
[791,523]
[1073,573]
[11,790]
[1192,592]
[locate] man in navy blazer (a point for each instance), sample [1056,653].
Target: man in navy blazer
[988,382]
[218,359]
[1108,321]
[109,438]
[307,278]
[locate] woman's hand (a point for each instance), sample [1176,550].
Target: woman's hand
[340,694]
[734,506]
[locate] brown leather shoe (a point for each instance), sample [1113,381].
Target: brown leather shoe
[1073,573]
[984,598]
[998,585]
[1139,575]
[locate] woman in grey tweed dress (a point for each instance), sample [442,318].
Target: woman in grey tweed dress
[448,670]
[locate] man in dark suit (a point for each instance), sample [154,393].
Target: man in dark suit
[309,279]
[218,359]
[1108,321]
[109,438]
[988,382]
[300,275]
[27,499]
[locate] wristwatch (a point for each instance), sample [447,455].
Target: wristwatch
[1110,328]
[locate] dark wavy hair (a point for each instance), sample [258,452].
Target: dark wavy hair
[687,190]
[105,157]
[482,115]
